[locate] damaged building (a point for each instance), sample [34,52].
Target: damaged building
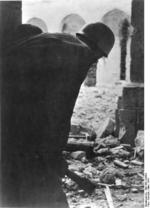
[98,144]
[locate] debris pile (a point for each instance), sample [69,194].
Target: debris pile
[110,165]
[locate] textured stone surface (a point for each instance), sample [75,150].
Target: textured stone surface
[128,121]
[137,44]
[133,97]
[107,129]
[78,155]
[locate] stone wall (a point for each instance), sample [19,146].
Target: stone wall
[137,46]
[130,112]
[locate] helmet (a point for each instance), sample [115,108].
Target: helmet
[100,35]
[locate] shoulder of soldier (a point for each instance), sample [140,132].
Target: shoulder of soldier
[51,42]
[50,39]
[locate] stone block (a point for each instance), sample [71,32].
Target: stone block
[128,122]
[137,43]
[120,102]
[78,155]
[139,140]
[140,118]
[133,97]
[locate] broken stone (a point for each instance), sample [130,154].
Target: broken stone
[109,175]
[136,162]
[118,182]
[126,161]
[139,144]
[139,140]
[78,131]
[127,125]
[127,147]
[107,129]
[109,141]
[90,171]
[80,191]
[78,155]
[120,164]
[134,190]
[84,160]
[99,159]
[122,197]
[103,151]
[120,153]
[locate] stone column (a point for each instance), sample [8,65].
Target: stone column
[137,44]
[130,112]
[10,18]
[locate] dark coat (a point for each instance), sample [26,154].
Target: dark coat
[43,79]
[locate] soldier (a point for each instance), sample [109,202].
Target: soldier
[42,81]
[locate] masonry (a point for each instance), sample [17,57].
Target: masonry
[130,112]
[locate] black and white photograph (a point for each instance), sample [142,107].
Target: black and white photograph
[72,126]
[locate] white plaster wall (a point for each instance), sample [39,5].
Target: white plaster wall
[108,69]
[53,11]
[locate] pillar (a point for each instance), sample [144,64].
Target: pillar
[10,18]
[137,44]
[130,112]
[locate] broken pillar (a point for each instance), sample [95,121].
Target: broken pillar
[130,112]
[10,18]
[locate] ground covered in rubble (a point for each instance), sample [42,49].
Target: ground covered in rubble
[120,183]
[94,105]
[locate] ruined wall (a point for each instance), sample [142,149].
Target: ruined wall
[137,46]
[130,112]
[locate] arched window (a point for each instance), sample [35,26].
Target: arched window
[38,22]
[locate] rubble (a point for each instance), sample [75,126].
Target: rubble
[134,190]
[120,152]
[109,141]
[139,144]
[109,153]
[103,152]
[109,175]
[78,131]
[120,164]
[107,129]
[136,162]
[78,155]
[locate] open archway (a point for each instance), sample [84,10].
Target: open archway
[39,23]
[114,19]
[71,23]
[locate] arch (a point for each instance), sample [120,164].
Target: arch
[39,23]
[114,20]
[71,23]
[109,71]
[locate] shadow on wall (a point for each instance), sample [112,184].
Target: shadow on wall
[39,23]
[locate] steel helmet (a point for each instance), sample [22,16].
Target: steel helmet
[100,35]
